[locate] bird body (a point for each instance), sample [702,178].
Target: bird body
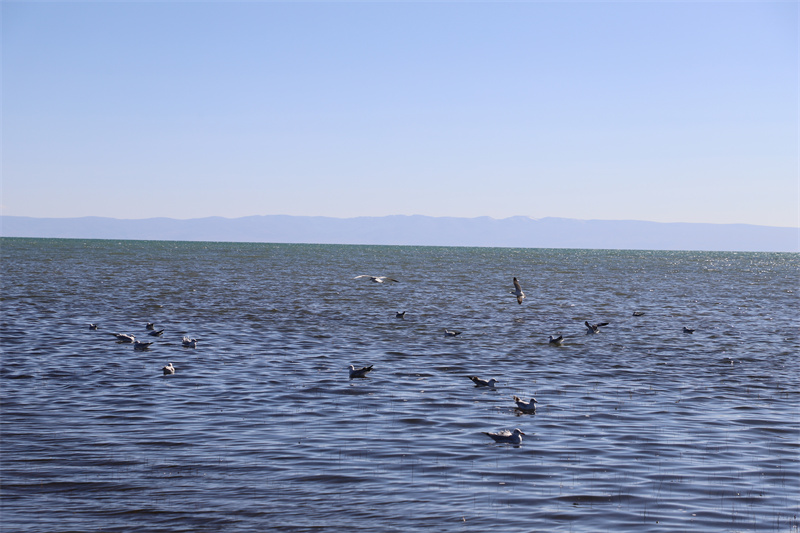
[189,343]
[527,407]
[93,326]
[448,333]
[377,279]
[594,328]
[507,437]
[400,315]
[556,341]
[122,337]
[139,345]
[687,330]
[155,333]
[359,372]
[150,325]
[168,369]
[483,382]
[518,292]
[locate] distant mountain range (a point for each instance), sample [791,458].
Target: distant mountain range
[517,232]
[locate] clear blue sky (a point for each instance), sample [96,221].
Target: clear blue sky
[670,112]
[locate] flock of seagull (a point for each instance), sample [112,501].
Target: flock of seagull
[513,437]
[124,338]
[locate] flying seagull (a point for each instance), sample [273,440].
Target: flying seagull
[526,407]
[483,382]
[507,437]
[594,328]
[359,372]
[168,369]
[556,341]
[518,292]
[377,279]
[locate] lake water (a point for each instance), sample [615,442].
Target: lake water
[639,428]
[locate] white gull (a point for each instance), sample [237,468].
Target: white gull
[506,437]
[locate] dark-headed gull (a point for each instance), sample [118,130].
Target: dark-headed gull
[594,328]
[507,437]
[518,292]
[122,337]
[377,279]
[359,372]
[483,382]
[556,341]
[528,407]
[139,345]
[168,369]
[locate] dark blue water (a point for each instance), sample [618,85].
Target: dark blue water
[639,428]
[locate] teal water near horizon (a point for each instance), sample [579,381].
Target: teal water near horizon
[639,428]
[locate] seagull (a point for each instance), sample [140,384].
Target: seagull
[448,333]
[526,407]
[139,345]
[150,325]
[594,328]
[507,437]
[400,315]
[687,330]
[518,292]
[122,337]
[93,326]
[189,343]
[482,382]
[155,333]
[169,369]
[359,372]
[638,313]
[556,341]
[377,279]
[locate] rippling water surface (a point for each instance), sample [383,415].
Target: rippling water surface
[639,428]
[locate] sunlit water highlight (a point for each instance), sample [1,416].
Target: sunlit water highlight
[639,428]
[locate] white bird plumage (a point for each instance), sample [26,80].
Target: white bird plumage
[139,345]
[377,279]
[483,382]
[168,369]
[527,407]
[506,437]
[122,337]
[556,341]
[189,343]
[448,333]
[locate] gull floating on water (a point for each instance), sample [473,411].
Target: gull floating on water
[448,333]
[93,326]
[518,292]
[359,372]
[377,279]
[400,315]
[507,437]
[122,337]
[168,369]
[528,407]
[155,333]
[189,343]
[139,345]
[483,382]
[556,341]
[594,328]
[638,313]
[687,330]
[150,325]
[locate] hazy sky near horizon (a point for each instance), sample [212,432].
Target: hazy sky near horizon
[664,111]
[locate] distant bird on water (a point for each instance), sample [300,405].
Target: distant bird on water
[506,437]
[518,292]
[377,279]
[400,315]
[594,328]
[359,372]
[189,343]
[155,333]
[448,333]
[93,326]
[638,313]
[150,325]
[483,382]
[687,330]
[122,337]
[527,407]
[139,345]
[556,341]
[168,369]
